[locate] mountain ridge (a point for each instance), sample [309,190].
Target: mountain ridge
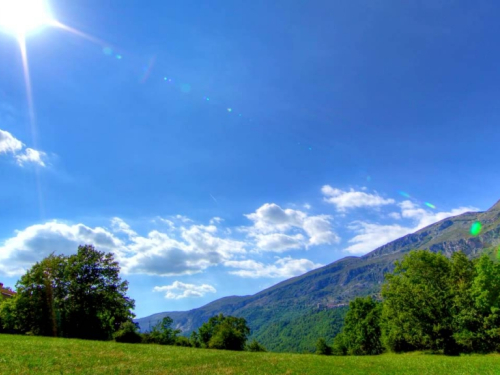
[335,284]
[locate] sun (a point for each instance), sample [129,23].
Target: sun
[22,17]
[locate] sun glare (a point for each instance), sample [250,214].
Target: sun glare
[21,17]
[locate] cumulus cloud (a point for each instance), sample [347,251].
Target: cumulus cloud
[189,250]
[372,235]
[272,218]
[8,143]
[424,218]
[38,241]
[31,156]
[282,268]
[272,224]
[344,200]
[11,145]
[279,242]
[178,290]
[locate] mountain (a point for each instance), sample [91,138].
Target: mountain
[299,306]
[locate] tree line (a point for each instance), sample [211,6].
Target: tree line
[82,296]
[429,303]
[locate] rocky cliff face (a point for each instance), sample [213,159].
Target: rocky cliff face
[345,279]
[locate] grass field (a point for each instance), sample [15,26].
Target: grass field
[37,355]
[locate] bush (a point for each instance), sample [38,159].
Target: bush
[339,346]
[163,333]
[128,333]
[254,346]
[182,341]
[322,348]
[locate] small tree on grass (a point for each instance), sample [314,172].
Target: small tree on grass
[182,341]
[322,348]
[254,346]
[128,333]
[224,332]
[163,333]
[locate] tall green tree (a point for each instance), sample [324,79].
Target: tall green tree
[361,334]
[162,333]
[8,315]
[418,301]
[40,295]
[96,303]
[79,296]
[478,316]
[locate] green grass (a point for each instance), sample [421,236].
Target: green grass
[39,355]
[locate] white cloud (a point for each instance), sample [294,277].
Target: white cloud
[38,241]
[272,219]
[183,218]
[216,220]
[178,290]
[371,235]
[12,145]
[344,200]
[279,242]
[395,215]
[282,268]
[318,229]
[425,217]
[31,156]
[192,250]
[8,143]
[119,226]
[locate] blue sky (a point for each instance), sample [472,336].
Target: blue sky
[220,147]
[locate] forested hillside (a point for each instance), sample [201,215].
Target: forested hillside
[304,298]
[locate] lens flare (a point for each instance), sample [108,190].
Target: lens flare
[107,51]
[430,205]
[475,228]
[22,17]
[406,195]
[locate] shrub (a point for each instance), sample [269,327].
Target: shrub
[322,348]
[182,341]
[254,346]
[128,333]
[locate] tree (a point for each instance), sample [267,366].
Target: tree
[79,296]
[466,320]
[182,341]
[418,304]
[195,340]
[40,296]
[8,315]
[478,311]
[255,346]
[224,332]
[339,346]
[162,333]
[128,333]
[415,302]
[322,348]
[96,303]
[361,334]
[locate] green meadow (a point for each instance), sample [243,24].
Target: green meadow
[42,355]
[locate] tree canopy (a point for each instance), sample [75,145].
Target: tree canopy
[224,332]
[80,295]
